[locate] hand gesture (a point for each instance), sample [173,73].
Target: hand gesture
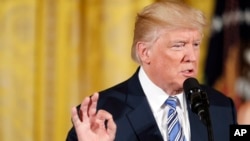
[93,125]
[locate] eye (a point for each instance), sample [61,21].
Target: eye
[179,45]
[197,44]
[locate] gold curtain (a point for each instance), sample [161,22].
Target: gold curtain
[55,52]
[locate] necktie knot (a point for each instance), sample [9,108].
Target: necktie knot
[172,102]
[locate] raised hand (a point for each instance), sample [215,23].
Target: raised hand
[93,125]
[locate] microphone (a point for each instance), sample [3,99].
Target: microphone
[198,99]
[199,103]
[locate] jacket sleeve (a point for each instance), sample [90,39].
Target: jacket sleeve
[72,135]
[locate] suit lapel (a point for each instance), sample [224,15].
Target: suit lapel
[143,122]
[141,117]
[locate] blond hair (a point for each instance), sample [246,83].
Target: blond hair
[164,14]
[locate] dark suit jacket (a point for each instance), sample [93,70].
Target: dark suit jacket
[135,121]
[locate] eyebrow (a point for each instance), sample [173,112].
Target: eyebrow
[179,41]
[184,41]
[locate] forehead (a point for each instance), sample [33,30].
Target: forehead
[181,33]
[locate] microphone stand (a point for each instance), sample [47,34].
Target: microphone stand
[205,116]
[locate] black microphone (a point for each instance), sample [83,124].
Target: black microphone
[198,98]
[199,103]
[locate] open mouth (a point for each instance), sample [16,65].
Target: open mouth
[188,72]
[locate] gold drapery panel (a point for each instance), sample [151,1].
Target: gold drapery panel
[52,54]
[55,52]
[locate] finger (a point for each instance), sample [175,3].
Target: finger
[111,128]
[83,112]
[106,117]
[93,104]
[102,116]
[75,118]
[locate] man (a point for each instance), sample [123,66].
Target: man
[166,45]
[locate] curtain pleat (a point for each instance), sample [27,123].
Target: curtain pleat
[53,53]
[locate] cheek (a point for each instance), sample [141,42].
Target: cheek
[162,58]
[169,62]
[197,60]
[172,58]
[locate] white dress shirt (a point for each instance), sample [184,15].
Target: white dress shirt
[156,98]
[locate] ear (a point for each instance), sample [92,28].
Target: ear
[143,52]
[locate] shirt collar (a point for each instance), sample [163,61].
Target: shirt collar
[155,95]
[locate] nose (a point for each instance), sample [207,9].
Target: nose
[192,53]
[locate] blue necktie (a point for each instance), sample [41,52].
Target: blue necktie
[175,132]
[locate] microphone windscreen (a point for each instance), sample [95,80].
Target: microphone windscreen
[190,84]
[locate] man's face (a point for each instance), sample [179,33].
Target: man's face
[174,57]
